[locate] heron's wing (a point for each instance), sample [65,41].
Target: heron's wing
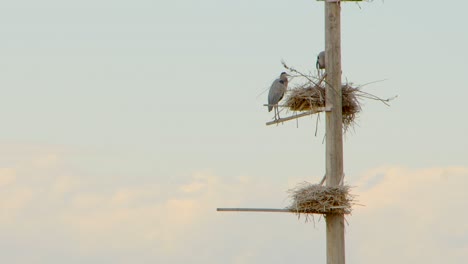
[276,93]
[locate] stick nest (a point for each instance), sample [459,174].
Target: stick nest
[311,97]
[310,198]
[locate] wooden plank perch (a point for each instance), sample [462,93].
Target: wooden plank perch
[317,110]
[264,210]
[274,210]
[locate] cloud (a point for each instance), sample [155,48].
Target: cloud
[50,160]
[7,176]
[57,203]
[418,213]
[411,216]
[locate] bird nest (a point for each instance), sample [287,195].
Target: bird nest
[311,97]
[310,198]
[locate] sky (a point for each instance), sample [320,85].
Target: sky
[125,124]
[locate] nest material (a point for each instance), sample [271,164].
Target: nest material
[317,199]
[306,98]
[312,97]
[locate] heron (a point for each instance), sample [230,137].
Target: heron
[320,64]
[277,90]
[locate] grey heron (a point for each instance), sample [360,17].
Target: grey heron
[277,91]
[321,64]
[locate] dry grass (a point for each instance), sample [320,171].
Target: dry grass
[310,198]
[312,96]
[306,98]
[350,104]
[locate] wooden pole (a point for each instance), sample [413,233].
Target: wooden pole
[334,129]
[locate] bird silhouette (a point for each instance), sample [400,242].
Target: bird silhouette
[277,90]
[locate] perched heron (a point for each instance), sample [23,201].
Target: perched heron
[277,90]
[320,64]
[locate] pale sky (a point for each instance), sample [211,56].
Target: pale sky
[125,124]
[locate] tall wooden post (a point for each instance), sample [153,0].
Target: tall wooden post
[334,126]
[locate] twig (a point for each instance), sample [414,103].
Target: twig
[296,71]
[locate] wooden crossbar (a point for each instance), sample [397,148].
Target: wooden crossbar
[335,1]
[281,120]
[264,210]
[274,210]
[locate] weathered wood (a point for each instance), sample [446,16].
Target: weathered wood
[274,105]
[265,210]
[334,129]
[334,125]
[335,238]
[334,1]
[318,110]
[274,210]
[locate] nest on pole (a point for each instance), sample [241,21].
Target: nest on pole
[310,198]
[311,97]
